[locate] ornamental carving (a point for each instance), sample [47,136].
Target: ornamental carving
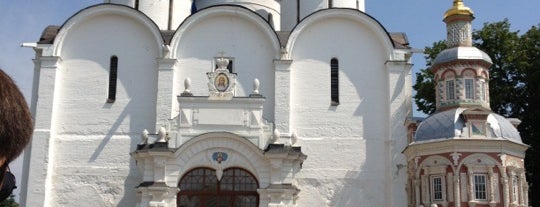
[221,82]
[458,33]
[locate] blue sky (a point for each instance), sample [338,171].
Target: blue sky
[23,21]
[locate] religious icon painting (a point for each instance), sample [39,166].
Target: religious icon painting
[221,82]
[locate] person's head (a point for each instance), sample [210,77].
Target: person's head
[16,125]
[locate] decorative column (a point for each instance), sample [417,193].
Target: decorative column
[444,201]
[525,191]
[506,193]
[425,199]
[513,195]
[449,187]
[491,178]
[520,188]
[470,174]
[457,193]
[416,192]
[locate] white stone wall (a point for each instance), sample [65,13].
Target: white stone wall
[94,138]
[87,141]
[85,79]
[240,35]
[81,146]
[350,147]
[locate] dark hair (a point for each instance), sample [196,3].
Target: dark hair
[16,125]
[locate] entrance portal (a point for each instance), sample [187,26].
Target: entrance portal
[200,187]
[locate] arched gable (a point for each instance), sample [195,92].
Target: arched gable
[224,10]
[233,32]
[240,152]
[464,71]
[449,71]
[479,159]
[433,161]
[351,14]
[101,9]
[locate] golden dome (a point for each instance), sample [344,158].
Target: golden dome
[458,9]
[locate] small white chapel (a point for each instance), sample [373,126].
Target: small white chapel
[260,103]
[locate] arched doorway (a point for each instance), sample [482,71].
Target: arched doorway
[201,188]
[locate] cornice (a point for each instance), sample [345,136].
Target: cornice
[465,145]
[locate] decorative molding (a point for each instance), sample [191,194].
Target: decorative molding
[187,87]
[219,157]
[221,83]
[455,157]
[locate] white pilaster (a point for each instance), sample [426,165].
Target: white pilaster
[283,96]
[165,96]
[39,164]
[399,80]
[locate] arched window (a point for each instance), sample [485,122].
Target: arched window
[113,76]
[468,78]
[480,186]
[201,188]
[469,88]
[450,90]
[334,81]
[437,187]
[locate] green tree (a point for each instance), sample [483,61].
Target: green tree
[505,80]
[529,65]
[10,202]
[514,86]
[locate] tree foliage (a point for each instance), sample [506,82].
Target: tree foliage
[514,85]
[505,80]
[529,67]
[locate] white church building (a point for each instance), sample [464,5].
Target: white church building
[203,103]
